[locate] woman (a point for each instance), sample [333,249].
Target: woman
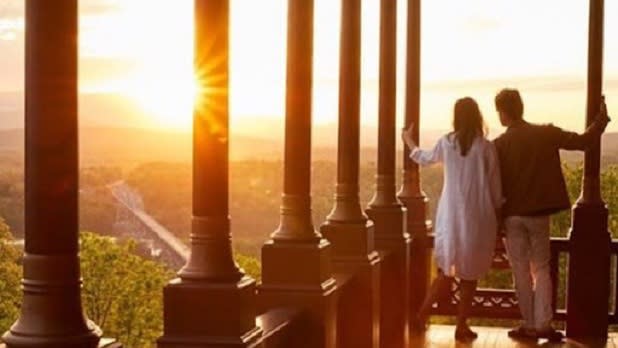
[468,211]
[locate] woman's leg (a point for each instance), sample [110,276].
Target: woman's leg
[435,291]
[467,290]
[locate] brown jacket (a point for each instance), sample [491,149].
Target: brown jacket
[532,179]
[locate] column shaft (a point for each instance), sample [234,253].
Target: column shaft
[212,303]
[587,316]
[387,214]
[296,222]
[347,227]
[385,181]
[411,193]
[51,310]
[411,178]
[347,204]
[211,250]
[591,192]
[296,262]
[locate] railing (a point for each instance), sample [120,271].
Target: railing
[498,303]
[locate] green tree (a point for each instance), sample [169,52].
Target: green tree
[122,291]
[10,275]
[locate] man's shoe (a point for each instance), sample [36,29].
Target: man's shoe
[551,334]
[523,334]
[465,334]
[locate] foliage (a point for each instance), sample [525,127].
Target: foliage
[10,276]
[122,292]
[12,199]
[249,264]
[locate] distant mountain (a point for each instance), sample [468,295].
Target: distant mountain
[127,145]
[106,145]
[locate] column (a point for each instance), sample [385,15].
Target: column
[51,313]
[387,213]
[589,258]
[411,193]
[296,261]
[347,226]
[212,303]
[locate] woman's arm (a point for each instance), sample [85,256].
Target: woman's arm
[419,156]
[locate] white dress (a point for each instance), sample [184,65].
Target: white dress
[466,224]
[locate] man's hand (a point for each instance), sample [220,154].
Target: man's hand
[600,123]
[603,113]
[407,136]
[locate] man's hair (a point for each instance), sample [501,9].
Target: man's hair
[509,101]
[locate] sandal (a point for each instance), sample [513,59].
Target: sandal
[551,334]
[465,334]
[522,333]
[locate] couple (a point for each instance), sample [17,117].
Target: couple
[511,185]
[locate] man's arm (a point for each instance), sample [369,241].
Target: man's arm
[573,141]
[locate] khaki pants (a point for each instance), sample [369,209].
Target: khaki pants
[528,248]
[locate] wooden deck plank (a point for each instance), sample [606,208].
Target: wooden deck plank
[443,336]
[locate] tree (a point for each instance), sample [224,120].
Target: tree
[122,292]
[10,276]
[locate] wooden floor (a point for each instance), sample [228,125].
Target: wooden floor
[443,337]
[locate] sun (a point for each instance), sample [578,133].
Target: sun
[168,100]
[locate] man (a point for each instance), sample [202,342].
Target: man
[534,189]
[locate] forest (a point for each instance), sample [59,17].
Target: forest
[112,267]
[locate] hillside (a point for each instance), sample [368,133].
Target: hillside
[122,146]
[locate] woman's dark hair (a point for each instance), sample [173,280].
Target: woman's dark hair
[509,101]
[468,124]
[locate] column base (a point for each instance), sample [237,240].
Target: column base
[420,253]
[209,315]
[299,275]
[589,268]
[354,255]
[89,339]
[51,310]
[394,244]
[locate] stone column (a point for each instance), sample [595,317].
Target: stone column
[589,259]
[411,193]
[296,262]
[212,303]
[51,314]
[387,213]
[347,226]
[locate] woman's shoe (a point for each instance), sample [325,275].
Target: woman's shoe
[523,334]
[465,334]
[551,334]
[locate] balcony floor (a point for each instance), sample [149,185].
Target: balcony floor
[441,336]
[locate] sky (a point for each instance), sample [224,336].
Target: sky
[141,51]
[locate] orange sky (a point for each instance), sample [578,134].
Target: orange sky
[142,49]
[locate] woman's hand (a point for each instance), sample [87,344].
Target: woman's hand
[407,136]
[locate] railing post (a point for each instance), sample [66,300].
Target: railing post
[51,311]
[411,193]
[212,303]
[385,210]
[296,262]
[589,256]
[347,226]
